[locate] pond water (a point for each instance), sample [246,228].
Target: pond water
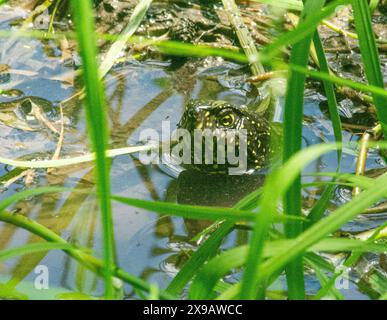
[140,95]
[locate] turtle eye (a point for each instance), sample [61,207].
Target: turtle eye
[227,119]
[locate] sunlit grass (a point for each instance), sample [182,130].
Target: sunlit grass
[293,116]
[97,128]
[370,55]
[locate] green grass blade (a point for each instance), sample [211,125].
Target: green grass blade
[118,46]
[325,282]
[322,263]
[97,128]
[296,5]
[330,94]
[208,248]
[377,91]
[373,5]
[203,286]
[245,39]
[276,185]
[83,257]
[167,46]
[349,262]
[186,49]
[39,164]
[189,211]
[197,212]
[6,202]
[32,248]
[328,225]
[319,208]
[304,29]
[199,257]
[370,55]
[190,50]
[293,116]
